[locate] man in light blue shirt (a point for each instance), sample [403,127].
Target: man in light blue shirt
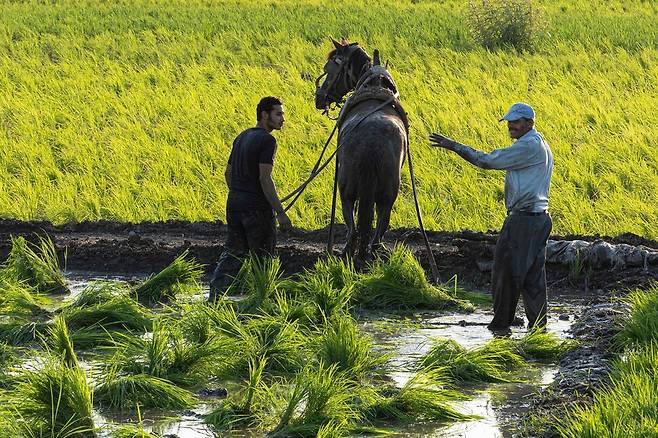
[520,255]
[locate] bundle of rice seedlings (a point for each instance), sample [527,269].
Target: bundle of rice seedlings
[121,391]
[340,272]
[118,313]
[18,298]
[640,326]
[99,292]
[423,398]
[343,345]
[292,309]
[322,399]
[281,343]
[167,355]
[260,279]
[59,341]
[22,331]
[180,276]
[488,363]
[328,301]
[400,283]
[539,344]
[54,400]
[8,358]
[127,431]
[241,409]
[37,265]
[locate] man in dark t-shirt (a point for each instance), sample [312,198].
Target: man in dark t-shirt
[252,203]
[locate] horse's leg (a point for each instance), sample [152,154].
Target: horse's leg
[348,217]
[383,220]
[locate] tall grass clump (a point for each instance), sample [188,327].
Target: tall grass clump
[322,398]
[99,292]
[54,400]
[641,324]
[491,362]
[423,398]
[341,344]
[166,354]
[22,331]
[60,342]
[36,265]
[122,391]
[242,410]
[260,280]
[118,313]
[180,276]
[626,407]
[498,24]
[400,283]
[18,298]
[543,345]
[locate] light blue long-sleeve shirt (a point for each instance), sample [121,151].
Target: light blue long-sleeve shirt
[529,165]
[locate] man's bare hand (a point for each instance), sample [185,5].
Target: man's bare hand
[440,141]
[284,221]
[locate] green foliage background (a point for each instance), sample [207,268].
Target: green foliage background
[126,110]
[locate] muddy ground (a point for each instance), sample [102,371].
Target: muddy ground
[148,247]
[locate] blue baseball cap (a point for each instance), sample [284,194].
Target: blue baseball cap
[518,111]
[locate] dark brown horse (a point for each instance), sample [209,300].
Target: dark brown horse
[372,138]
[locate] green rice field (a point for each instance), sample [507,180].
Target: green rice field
[125,110]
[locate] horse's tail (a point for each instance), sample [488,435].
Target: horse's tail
[366,209]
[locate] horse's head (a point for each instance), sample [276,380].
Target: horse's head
[345,65]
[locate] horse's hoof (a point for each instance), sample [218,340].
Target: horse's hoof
[380,250]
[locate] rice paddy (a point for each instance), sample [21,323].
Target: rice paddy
[287,356]
[126,110]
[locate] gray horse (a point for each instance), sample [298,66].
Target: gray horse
[372,138]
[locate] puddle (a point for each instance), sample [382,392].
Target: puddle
[406,339]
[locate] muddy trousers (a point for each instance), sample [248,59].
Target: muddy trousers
[248,232]
[519,269]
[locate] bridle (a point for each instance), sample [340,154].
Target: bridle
[339,66]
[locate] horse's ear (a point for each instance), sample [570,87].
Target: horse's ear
[336,43]
[344,41]
[375,56]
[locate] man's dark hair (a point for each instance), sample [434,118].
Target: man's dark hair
[267,104]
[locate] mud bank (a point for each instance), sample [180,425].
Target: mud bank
[116,247]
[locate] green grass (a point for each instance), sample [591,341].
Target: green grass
[641,324]
[180,276]
[400,282]
[491,362]
[423,397]
[343,345]
[127,110]
[166,354]
[120,313]
[542,345]
[626,407]
[121,391]
[36,265]
[54,400]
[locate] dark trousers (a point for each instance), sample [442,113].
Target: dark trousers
[248,231]
[519,269]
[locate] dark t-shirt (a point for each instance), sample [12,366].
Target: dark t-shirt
[251,148]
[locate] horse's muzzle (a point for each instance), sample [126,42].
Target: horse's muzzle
[320,99]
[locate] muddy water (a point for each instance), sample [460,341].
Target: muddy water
[406,339]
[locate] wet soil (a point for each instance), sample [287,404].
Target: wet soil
[136,249]
[116,247]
